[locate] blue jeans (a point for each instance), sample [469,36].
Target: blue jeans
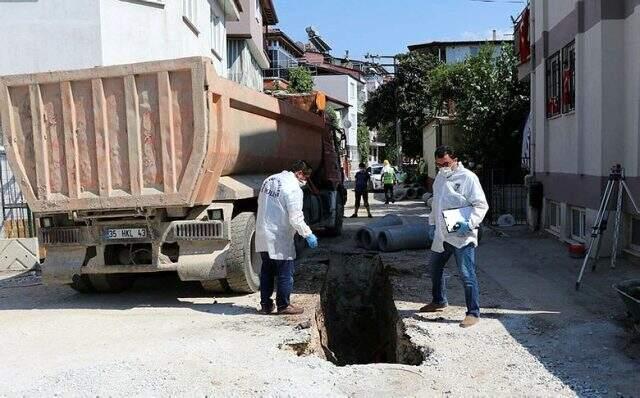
[465,258]
[282,270]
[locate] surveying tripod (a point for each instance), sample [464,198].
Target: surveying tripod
[616,177]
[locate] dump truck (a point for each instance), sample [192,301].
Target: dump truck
[156,167]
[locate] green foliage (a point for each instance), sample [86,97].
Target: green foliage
[483,94]
[408,96]
[332,117]
[300,80]
[490,106]
[364,142]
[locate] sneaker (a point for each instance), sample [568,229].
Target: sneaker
[433,308]
[290,310]
[469,321]
[354,216]
[266,309]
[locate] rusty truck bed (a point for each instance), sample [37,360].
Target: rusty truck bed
[157,134]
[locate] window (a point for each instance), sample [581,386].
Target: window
[553,216]
[553,85]
[352,91]
[218,35]
[635,234]
[190,14]
[578,224]
[569,78]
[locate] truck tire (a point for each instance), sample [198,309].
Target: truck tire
[110,283]
[219,286]
[243,263]
[82,284]
[336,230]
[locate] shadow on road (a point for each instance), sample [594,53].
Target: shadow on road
[159,290]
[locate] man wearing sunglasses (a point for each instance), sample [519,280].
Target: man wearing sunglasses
[455,187]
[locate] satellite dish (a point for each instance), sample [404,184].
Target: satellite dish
[347,124]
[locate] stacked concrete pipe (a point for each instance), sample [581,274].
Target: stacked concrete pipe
[404,237]
[367,237]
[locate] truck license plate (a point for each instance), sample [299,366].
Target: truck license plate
[125,233]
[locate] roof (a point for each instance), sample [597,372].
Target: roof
[292,46]
[269,12]
[337,101]
[436,44]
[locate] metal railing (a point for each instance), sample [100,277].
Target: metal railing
[17,220]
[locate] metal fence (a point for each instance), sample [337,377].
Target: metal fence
[17,220]
[506,194]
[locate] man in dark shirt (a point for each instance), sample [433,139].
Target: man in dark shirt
[362,190]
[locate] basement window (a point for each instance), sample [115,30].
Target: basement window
[553,216]
[578,224]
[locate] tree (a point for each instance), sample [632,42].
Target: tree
[364,142]
[409,96]
[491,105]
[300,80]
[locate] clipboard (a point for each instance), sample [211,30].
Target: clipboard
[454,216]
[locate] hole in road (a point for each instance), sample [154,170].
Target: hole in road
[357,320]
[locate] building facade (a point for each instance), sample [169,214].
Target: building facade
[452,52]
[284,54]
[47,35]
[246,55]
[585,89]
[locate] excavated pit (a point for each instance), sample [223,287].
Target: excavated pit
[357,319]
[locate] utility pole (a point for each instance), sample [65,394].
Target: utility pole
[398,126]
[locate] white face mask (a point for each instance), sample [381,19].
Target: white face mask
[302,183]
[446,171]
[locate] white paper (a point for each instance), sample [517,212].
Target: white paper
[454,216]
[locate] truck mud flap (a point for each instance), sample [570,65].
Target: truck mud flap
[61,264]
[202,260]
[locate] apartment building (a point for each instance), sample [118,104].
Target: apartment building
[585,88]
[46,35]
[246,55]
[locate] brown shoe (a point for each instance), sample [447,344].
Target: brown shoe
[433,308]
[469,321]
[266,309]
[291,310]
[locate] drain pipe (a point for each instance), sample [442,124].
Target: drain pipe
[404,237]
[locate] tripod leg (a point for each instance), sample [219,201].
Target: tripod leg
[604,220]
[628,191]
[616,231]
[598,226]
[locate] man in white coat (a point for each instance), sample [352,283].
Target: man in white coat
[279,218]
[455,187]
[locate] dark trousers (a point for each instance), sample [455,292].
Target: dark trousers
[388,193]
[272,271]
[364,196]
[466,260]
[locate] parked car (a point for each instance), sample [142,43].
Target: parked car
[375,183]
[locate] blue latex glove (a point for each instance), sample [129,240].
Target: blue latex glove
[431,232]
[462,228]
[312,241]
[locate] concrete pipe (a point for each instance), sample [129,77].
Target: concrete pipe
[412,194]
[399,194]
[387,221]
[404,237]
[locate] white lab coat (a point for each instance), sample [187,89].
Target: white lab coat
[461,189]
[280,216]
